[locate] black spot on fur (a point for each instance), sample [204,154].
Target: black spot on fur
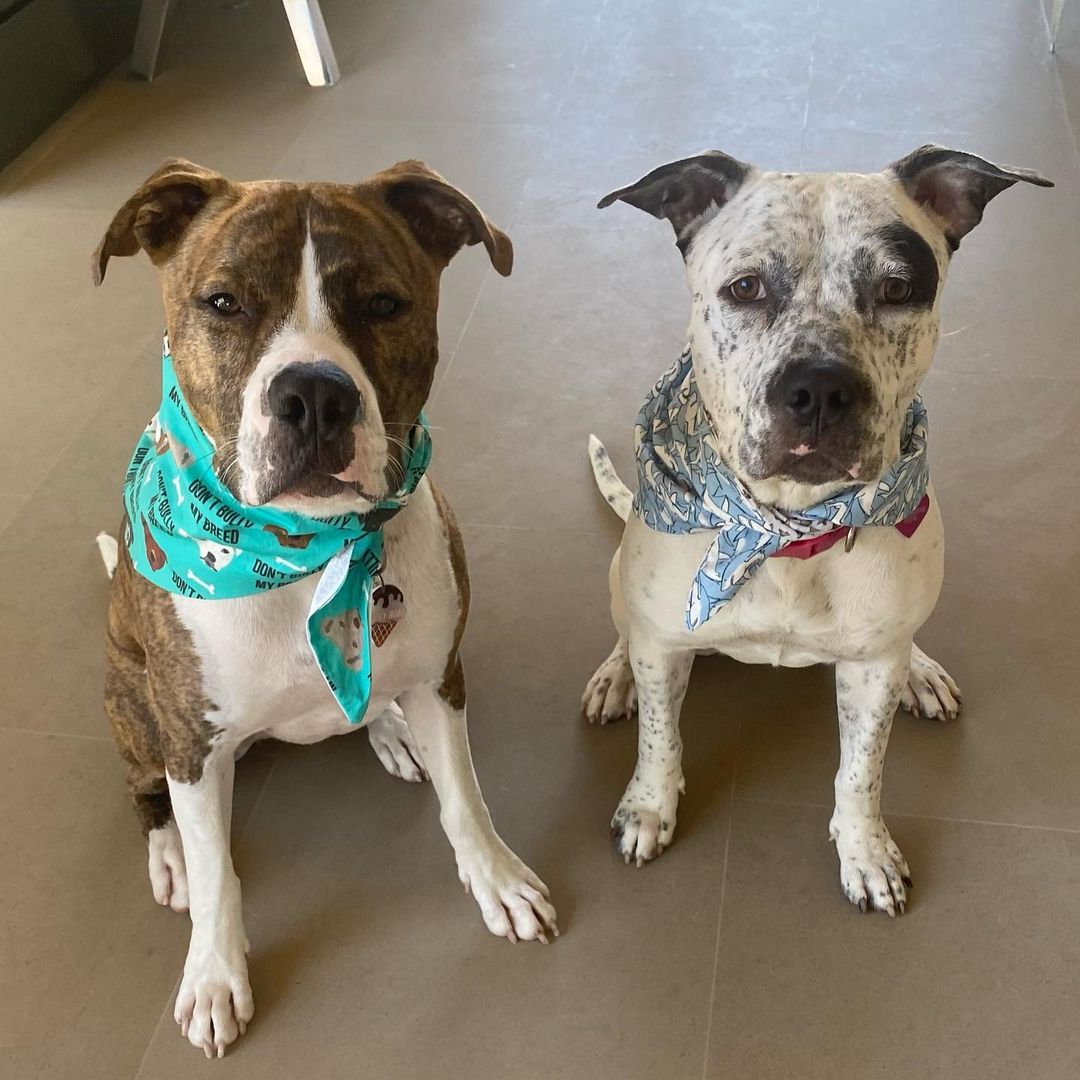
[906,246]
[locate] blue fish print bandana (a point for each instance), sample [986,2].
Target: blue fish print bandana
[684,487]
[187,533]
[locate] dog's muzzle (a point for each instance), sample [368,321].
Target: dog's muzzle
[312,408]
[818,406]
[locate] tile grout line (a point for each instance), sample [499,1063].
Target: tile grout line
[56,734]
[461,337]
[720,912]
[806,805]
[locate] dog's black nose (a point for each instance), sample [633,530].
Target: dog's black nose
[319,399]
[817,393]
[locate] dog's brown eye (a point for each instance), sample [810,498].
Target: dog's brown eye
[747,289]
[224,303]
[383,305]
[894,290]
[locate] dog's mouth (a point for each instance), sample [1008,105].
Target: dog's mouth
[837,458]
[818,465]
[346,472]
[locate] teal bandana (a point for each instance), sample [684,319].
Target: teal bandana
[187,533]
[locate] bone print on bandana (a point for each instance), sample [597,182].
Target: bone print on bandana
[187,533]
[684,487]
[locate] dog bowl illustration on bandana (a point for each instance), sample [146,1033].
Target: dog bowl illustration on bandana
[387,610]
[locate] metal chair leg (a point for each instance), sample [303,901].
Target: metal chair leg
[1055,21]
[148,35]
[312,41]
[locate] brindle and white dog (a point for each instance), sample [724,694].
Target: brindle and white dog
[814,319]
[332,290]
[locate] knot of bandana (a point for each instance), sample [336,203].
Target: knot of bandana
[187,533]
[683,487]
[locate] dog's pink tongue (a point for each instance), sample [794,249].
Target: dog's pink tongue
[855,469]
[802,450]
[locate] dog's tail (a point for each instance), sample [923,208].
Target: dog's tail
[110,552]
[607,479]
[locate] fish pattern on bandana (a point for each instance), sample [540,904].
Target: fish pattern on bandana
[684,487]
[187,533]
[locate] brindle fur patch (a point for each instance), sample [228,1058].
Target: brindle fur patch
[154,695]
[452,689]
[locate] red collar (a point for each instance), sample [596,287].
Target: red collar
[815,545]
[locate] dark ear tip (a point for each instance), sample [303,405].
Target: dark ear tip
[97,267]
[503,257]
[607,200]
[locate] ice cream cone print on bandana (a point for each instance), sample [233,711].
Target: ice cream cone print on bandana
[387,610]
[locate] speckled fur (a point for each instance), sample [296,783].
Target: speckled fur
[821,245]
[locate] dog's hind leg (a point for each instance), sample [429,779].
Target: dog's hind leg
[394,745]
[930,691]
[127,703]
[611,694]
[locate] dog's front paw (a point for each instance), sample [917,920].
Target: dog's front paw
[214,1004]
[395,746]
[930,691]
[513,900]
[873,872]
[611,694]
[643,826]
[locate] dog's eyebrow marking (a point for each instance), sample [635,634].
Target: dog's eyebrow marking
[905,246]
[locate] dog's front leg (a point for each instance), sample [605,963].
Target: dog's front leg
[512,899]
[644,822]
[214,1003]
[873,873]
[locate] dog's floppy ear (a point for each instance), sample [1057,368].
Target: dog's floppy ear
[955,187]
[155,217]
[443,219]
[688,193]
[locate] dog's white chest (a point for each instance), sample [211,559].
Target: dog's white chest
[257,665]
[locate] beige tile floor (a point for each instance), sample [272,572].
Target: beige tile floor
[735,956]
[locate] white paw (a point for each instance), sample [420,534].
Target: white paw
[930,691]
[873,872]
[611,693]
[644,823]
[395,746]
[214,1004]
[513,900]
[168,872]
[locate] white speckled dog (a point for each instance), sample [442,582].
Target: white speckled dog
[814,319]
